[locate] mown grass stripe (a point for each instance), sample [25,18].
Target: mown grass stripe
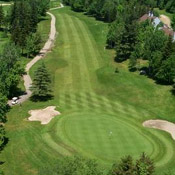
[67,53]
[48,139]
[86,77]
[90,51]
[73,61]
[99,52]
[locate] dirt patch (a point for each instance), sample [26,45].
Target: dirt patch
[166,20]
[43,115]
[162,125]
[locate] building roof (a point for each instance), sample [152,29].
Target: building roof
[156,21]
[145,17]
[168,31]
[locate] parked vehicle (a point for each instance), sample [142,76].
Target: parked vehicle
[14,100]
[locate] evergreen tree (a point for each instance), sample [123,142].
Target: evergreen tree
[20,23]
[166,73]
[168,48]
[132,62]
[2,137]
[144,166]
[41,86]
[34,17]
[3,108]
[125,167]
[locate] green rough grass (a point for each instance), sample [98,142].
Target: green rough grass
[93,101]
[164,12]
[54,3]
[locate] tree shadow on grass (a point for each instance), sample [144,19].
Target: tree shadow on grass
[5,142]
[16,93]
[35,98]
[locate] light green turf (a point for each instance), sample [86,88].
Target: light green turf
[93,100]
[163,12]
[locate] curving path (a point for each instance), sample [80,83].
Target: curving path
[48,45]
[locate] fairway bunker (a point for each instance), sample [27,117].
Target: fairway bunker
[43,115]
[161,125]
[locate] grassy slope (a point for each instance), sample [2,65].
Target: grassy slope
[86,87]
[170,15]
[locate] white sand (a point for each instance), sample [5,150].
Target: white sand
[43,115]
[162,125]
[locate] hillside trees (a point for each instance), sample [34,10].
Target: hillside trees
[24,18]
[42,5]
[127,40]
[153,45]
[101,9]
[169,5]
[10,69]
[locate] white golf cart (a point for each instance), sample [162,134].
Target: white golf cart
[14,100]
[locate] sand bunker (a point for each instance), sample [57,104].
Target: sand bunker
[43,115]
[162,125]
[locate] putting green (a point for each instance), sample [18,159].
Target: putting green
[107,137]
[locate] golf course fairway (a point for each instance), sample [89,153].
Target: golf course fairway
[101,111]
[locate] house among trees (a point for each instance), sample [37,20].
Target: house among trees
[156,22]
[149,16]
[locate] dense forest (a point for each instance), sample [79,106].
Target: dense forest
[20,25]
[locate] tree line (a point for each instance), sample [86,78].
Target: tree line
[20,26]
[135,40]
[78,166]
[102,9]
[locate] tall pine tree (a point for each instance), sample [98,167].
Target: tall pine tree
[41,86]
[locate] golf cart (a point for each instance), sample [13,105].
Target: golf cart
[14,100]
